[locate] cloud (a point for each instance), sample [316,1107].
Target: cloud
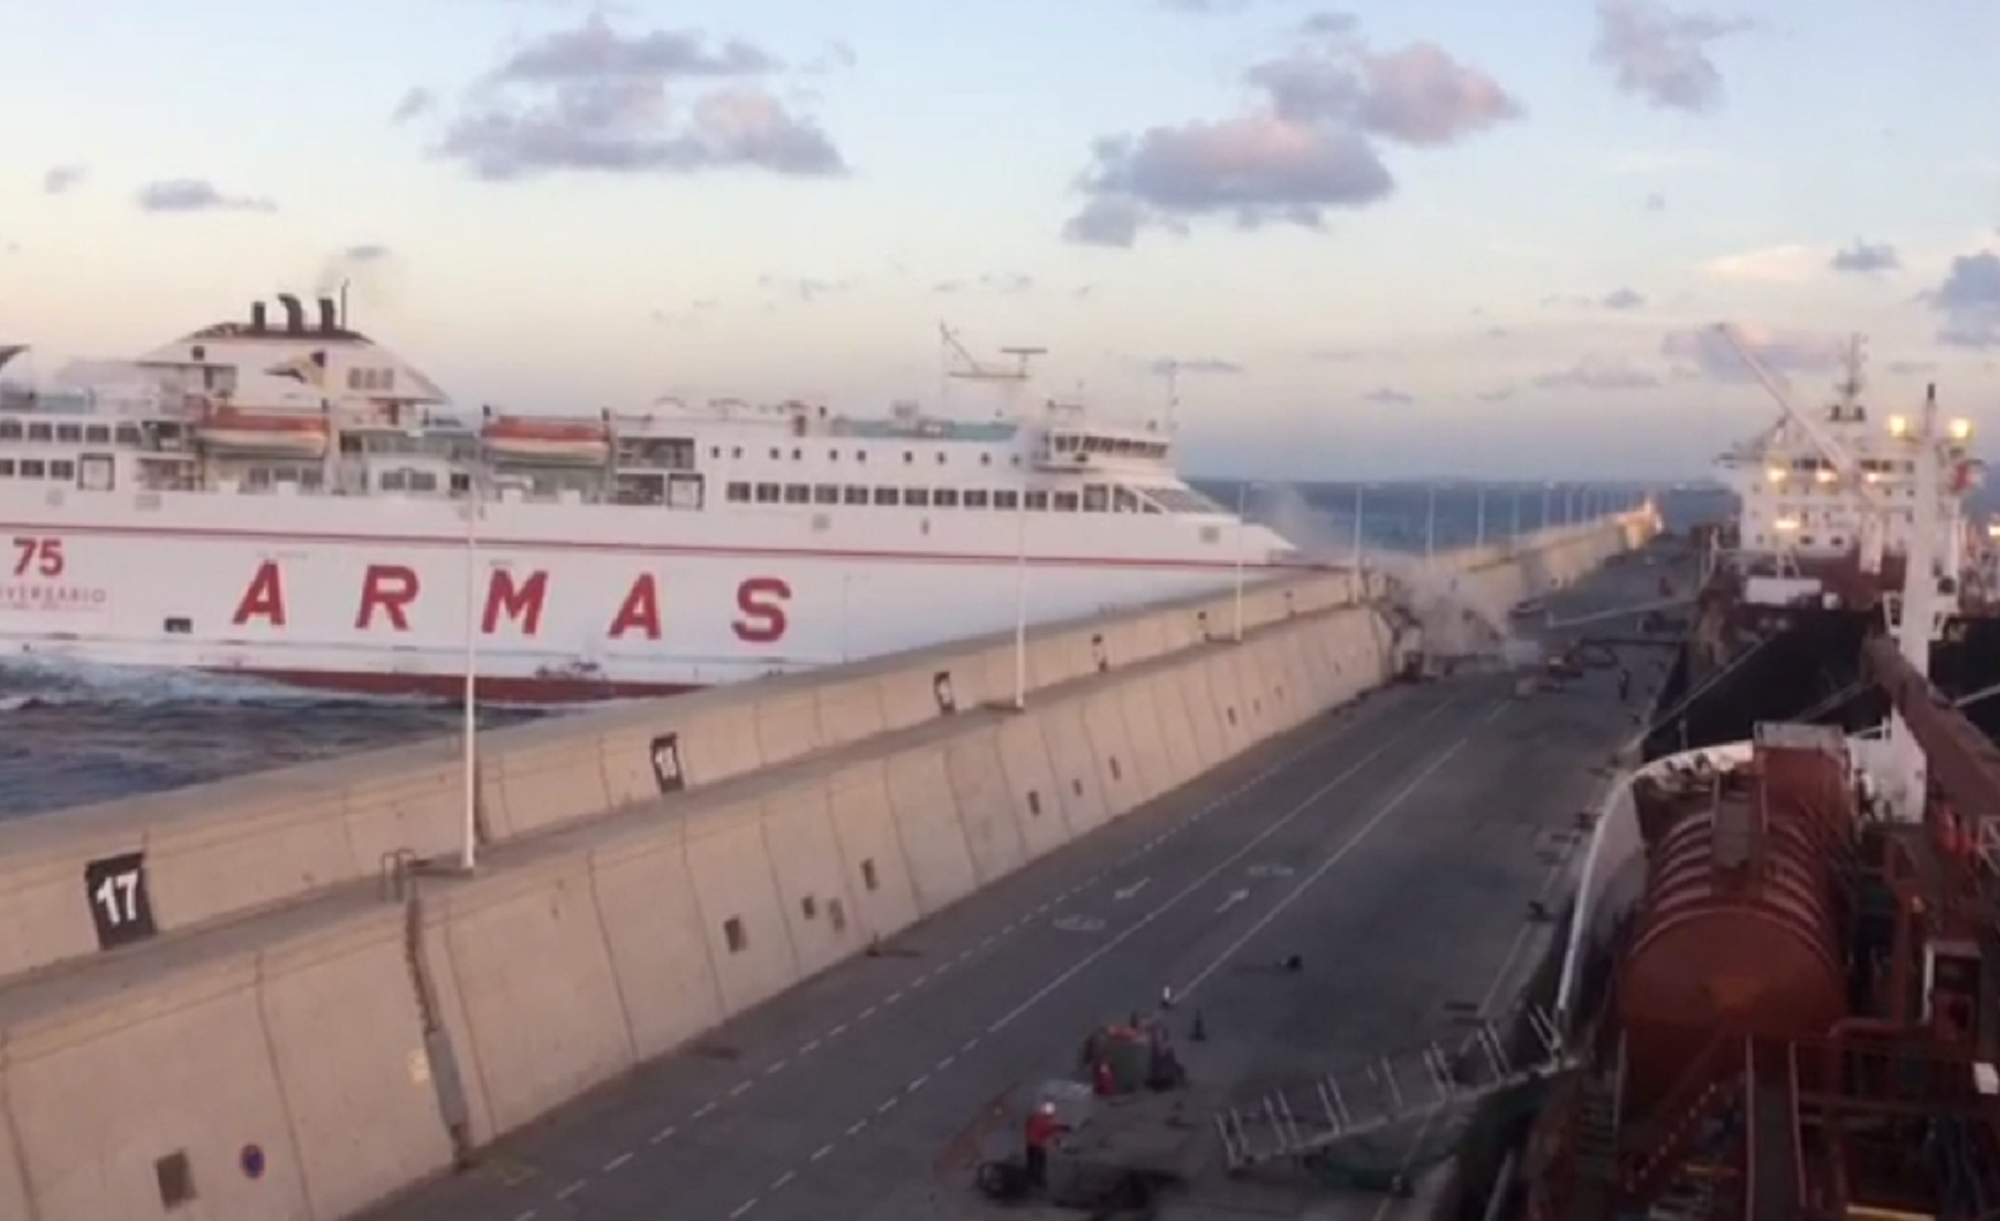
[370,267]
[415,104]
[806,288]
[1005,284]
[1866,258]
[197,195]
[62,179]
[1204,366]
[1663,56]
[1599,373]
[1311,144]
[1656,202]
[595,100]
[1704,353]
[1389,396]
[1622,299]
[1787,264]
[1968,302]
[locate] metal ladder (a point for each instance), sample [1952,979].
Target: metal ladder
[1295,1120]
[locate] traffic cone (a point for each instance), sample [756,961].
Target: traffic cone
[1200,1032]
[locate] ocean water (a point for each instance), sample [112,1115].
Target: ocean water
[69,736]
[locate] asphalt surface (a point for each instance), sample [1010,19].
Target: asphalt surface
[1394,846]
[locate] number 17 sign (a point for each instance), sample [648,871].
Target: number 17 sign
[120,906]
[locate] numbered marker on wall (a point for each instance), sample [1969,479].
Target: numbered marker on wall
[121,906]
[667,770]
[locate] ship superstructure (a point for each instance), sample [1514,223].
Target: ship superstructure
[284,497]
[1781,968]
[1827,500]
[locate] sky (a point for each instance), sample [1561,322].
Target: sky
[1383,240]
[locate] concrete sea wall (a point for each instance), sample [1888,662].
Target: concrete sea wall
[253,999]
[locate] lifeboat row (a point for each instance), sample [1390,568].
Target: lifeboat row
[308,435]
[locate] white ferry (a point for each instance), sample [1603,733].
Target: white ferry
[287,499]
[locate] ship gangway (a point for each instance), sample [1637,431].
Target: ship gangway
[1298,1120]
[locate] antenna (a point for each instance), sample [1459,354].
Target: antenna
[1851,385]
[1171,370]
[974,370]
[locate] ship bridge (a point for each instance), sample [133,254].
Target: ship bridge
[1094,446]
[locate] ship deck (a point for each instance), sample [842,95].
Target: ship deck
[1394,846]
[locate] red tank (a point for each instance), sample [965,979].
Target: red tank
[1739,930]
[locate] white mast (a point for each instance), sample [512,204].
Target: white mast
[1011,382]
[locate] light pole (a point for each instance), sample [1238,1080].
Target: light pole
[1360,511]
[468,846]
[1021,599]
[1514,528]
[1479,529]
[1242,494]
[1430,524]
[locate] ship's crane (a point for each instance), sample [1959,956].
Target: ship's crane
[971,369]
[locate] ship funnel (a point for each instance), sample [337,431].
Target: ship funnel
[259,320]
[295,314]
[329,315]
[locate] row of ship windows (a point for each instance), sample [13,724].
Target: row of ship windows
[69,434]
[860,455]
[1097,498]
[35,468]
[1803,540]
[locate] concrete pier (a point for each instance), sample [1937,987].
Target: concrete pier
[254,999]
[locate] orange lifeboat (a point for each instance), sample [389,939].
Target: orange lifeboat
[287,434]
[527,439]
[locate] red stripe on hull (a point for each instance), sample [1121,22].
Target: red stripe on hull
[457,543]
[495,690]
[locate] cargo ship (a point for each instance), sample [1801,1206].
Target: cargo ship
[285,498]
[1781,979]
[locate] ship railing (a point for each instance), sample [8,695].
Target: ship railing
[1713,1079]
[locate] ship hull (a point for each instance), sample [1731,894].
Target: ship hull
[571,602]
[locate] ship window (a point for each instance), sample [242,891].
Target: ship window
[986,459]
[908,457]
[945,498]
[6,468]
[917,498]
[885,496]
[1123,501]
[826,494]
[737,452]
[10,430]
[393,481]
[768,494]
[975,498]
[423,481]
[1096,498]
[833,455]
[1006,499]
[1067,502]
[796,455]
[32,468]
[776,453]
[854,495]
[69,433]
[64,469]
[738,492]
[861,455]
[98,434]
[257,477]
[798,494]
[940,457]
[715,451]
[1037,501]
[38,432]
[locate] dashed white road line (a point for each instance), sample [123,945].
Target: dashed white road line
[1220,801]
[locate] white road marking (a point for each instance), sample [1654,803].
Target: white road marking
[612,1166]
[663,1135]
[1319,871]
[571,1189]
[737,1090]
[778,1184]
[742,1208]
[821,1152]
[1214,871]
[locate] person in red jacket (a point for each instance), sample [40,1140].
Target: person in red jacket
[1042,1130]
